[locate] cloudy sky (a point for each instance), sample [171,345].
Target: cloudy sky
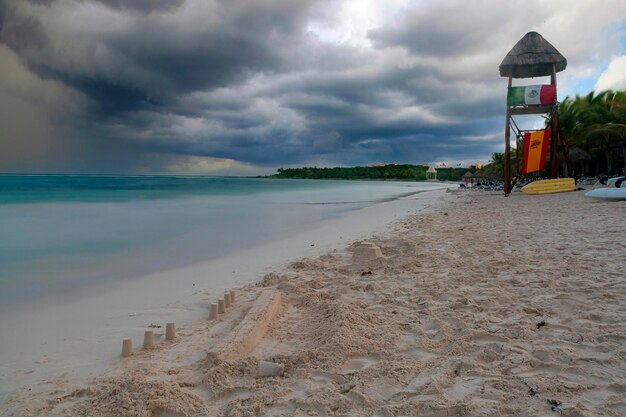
[246,86]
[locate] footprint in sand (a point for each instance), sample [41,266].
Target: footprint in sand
[161,412]
[420,354]
[233,394]
[358,363]
[433,329]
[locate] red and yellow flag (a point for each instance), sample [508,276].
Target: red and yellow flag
[535,150]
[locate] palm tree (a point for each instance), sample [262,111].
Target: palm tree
[605,118]
[570,127]
[595,123]
[617,125]
[497,162]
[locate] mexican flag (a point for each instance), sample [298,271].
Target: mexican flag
[532,94]
[535,150]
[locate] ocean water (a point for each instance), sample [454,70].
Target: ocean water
[63,234]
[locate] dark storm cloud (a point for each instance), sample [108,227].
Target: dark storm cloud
[153,59]
[21,34]
[250,81]
[143,5]
[130,5]
[259,88]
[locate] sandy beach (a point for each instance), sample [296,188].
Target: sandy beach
[483,306]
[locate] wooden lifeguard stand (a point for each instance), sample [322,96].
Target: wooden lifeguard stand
[532,56]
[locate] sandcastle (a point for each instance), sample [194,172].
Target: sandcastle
[249,332]
[367,254]
[170,328]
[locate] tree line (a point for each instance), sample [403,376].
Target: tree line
[405,172]
[592,129]
[388,172]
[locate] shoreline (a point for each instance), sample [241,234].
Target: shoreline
[87,345]
[491,306]
[62,244]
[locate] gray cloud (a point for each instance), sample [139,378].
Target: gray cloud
[252,82]
[44,130]
[457,28]
[21,34]
[128,61]
[142,5]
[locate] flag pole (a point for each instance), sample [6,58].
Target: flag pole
[507,142]
[554,152]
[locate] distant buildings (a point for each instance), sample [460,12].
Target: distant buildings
[449,171]
[468,179]
[431,174]
[448,165]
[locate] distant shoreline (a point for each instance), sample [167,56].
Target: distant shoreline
[268,177]
[406,172]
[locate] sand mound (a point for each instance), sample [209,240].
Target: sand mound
[141,397]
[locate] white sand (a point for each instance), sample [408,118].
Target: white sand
[488,306]
[82,337]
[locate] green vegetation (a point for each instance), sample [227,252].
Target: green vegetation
[388,172]
[593,133]
[452,174]
[494,170]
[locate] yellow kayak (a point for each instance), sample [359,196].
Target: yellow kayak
[555,185]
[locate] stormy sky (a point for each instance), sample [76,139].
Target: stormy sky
[246,86]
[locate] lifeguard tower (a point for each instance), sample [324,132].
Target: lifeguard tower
[532,56]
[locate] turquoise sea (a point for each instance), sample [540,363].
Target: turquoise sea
[64,233]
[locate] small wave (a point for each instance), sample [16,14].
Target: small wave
[374,201]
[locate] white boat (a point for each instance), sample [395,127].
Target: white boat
[614,182]
[607,193]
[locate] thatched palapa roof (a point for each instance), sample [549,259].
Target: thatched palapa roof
[532,56]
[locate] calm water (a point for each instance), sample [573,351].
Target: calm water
[64,233]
